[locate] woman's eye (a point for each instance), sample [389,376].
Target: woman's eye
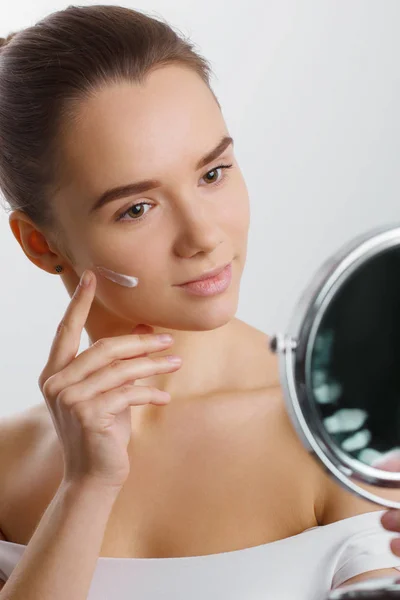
[138,215]
[215,169]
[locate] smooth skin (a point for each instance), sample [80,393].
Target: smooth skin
[220,448]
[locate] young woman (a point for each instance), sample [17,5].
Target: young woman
[138,477]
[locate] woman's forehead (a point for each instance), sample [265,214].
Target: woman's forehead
[128,135]
[168,98]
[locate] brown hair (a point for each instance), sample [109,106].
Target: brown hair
[46,69]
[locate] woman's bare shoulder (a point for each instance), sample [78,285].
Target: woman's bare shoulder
[23,422]
[254,351]
[20,434]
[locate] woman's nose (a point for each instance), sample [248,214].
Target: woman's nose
[198,231]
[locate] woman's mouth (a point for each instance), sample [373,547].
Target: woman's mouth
[210,286]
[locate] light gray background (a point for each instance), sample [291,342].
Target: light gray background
[310,93]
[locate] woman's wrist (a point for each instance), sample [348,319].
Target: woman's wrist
[90,485]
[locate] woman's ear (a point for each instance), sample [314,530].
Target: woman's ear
[33,242]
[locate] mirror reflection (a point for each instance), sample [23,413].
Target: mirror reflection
[354,363]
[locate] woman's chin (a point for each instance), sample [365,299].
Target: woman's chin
[209,316]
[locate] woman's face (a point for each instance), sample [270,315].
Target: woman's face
[195,220]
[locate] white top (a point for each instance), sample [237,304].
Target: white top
[302,567]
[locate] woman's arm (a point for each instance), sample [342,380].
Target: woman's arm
[2,581]
[370,575]
[60,559]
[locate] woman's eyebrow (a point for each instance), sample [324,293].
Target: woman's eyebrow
[143,186]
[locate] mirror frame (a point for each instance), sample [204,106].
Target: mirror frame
[295,350]
[372,589]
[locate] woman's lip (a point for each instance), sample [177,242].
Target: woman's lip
[212,285]
[209,275]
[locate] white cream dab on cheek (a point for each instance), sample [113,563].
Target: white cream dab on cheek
[125,280]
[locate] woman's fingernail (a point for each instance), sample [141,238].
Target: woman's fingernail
[395,546]
[174,359]
[164,338]
[391,520]
[86,278]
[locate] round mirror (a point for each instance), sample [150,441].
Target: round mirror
[340,372]
[340,366]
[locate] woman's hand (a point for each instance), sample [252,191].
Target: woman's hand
[89,396]
[391,518]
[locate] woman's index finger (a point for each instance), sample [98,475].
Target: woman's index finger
[69,331]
